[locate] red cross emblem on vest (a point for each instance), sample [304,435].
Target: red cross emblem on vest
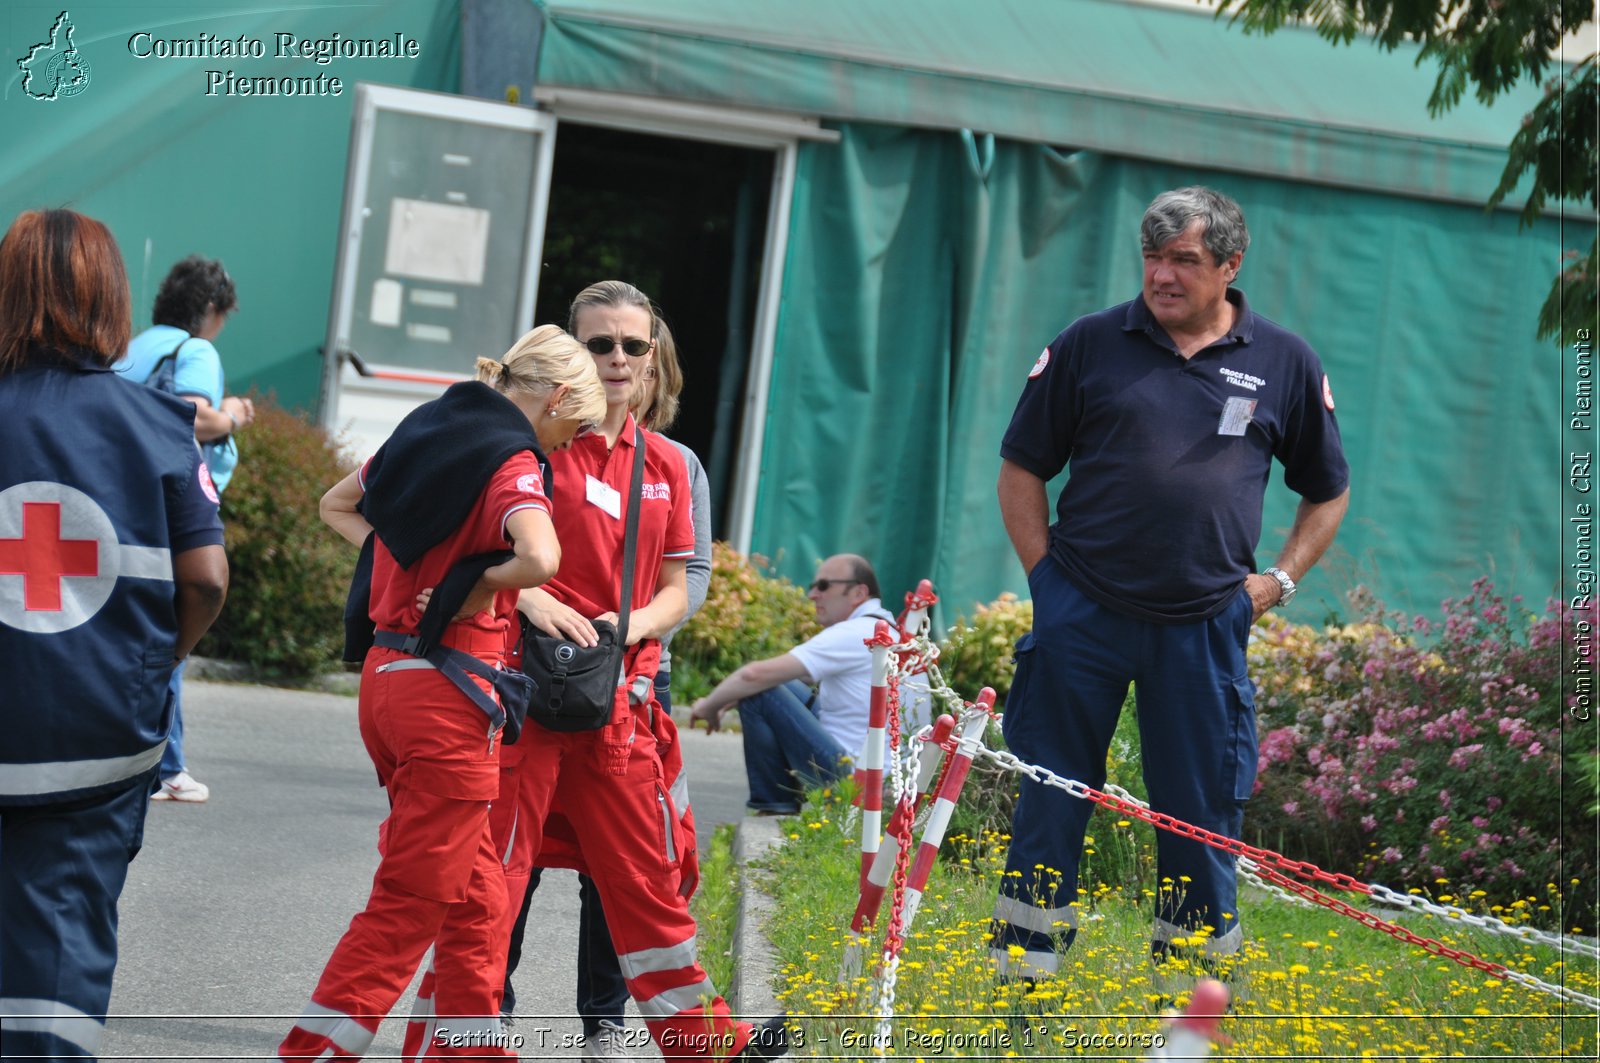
[60,559]
[43,558]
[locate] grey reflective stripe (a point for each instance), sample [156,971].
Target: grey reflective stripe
[679,792]
[1166,933]
[511,839]
[422,1013]
[405,664]
[30,1015]
[666,1005]
[1030,917]
[667,958]
[146,562]
[1031,964]
[666,827]
[61,776]
[348,1034]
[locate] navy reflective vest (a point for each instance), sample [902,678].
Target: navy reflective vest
[100,481]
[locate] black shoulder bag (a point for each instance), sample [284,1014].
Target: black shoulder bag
[577,685]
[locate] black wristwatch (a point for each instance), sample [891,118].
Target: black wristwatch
[1285,582]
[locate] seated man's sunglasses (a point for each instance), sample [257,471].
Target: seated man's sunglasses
[821,586]
[605,345]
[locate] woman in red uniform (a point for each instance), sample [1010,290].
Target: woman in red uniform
[609,784]
[461,476]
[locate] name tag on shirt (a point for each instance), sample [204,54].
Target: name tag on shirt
[605,496]
[1235,416]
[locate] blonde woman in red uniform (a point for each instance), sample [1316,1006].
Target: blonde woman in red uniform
[609,784]
[460,477]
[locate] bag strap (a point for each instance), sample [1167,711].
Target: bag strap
[630,544]
[170,356]
[454,665]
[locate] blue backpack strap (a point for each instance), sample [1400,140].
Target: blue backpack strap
[164,374]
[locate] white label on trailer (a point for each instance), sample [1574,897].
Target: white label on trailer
[433,297]
[386,297]
[436,241]
[428,333]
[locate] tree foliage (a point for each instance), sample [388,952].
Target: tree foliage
[1489,46]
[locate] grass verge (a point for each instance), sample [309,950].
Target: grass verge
[715,907]
[1310,984]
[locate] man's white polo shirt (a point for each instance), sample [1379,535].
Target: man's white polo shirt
[840,664]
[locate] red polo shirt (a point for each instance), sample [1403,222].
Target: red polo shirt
[516,485]
[591,520]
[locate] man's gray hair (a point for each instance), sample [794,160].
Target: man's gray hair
[1170,213]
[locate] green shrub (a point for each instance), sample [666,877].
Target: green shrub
[289,572]
[747,616]
[977,653]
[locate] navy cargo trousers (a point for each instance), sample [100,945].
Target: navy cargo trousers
[1197,733]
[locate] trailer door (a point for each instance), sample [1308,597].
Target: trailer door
[438,261]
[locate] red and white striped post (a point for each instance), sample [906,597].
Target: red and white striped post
[914,621]
[944,803]
[869,776]
[877,878]
[1189,1036]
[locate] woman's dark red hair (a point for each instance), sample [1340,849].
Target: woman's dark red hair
[62,285]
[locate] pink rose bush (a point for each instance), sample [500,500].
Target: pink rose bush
[1406,751]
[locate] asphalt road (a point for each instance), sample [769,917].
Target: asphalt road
[234,905]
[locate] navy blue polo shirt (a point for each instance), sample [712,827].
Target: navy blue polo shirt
[1168,458]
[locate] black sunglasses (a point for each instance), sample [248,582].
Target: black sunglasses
[605,345]
[821,586]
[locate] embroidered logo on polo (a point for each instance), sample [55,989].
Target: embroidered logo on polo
[658,492]
[60,558]
[1038,367]
[1327,392]
[208,486]
[1241,380]
[530,484]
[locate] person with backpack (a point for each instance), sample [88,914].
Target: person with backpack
[176,355]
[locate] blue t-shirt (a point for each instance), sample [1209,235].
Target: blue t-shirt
[1168,458]
[198,372]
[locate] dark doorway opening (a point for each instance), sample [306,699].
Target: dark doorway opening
[686,221]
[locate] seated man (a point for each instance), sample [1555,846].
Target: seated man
[788,728]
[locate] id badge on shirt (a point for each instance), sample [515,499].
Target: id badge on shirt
[605,496]
[1236,416]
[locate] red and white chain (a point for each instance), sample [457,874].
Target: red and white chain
[1247,866]
[1282,871]
[903,660]
[1385,895]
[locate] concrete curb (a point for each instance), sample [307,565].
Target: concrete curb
[751,993]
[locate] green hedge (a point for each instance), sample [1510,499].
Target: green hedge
[288,571]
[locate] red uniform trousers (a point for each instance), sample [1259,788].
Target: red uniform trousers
[440,881]
[610,786]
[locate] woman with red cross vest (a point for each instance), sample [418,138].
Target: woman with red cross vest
[460,478]
[609,784]
[111,568]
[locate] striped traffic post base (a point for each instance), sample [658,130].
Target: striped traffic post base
[881,870]
[869,777]
[973,725]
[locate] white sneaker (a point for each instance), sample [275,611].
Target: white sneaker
[182,787]
[612,1042]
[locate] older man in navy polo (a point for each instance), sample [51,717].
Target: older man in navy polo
[1167,412]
